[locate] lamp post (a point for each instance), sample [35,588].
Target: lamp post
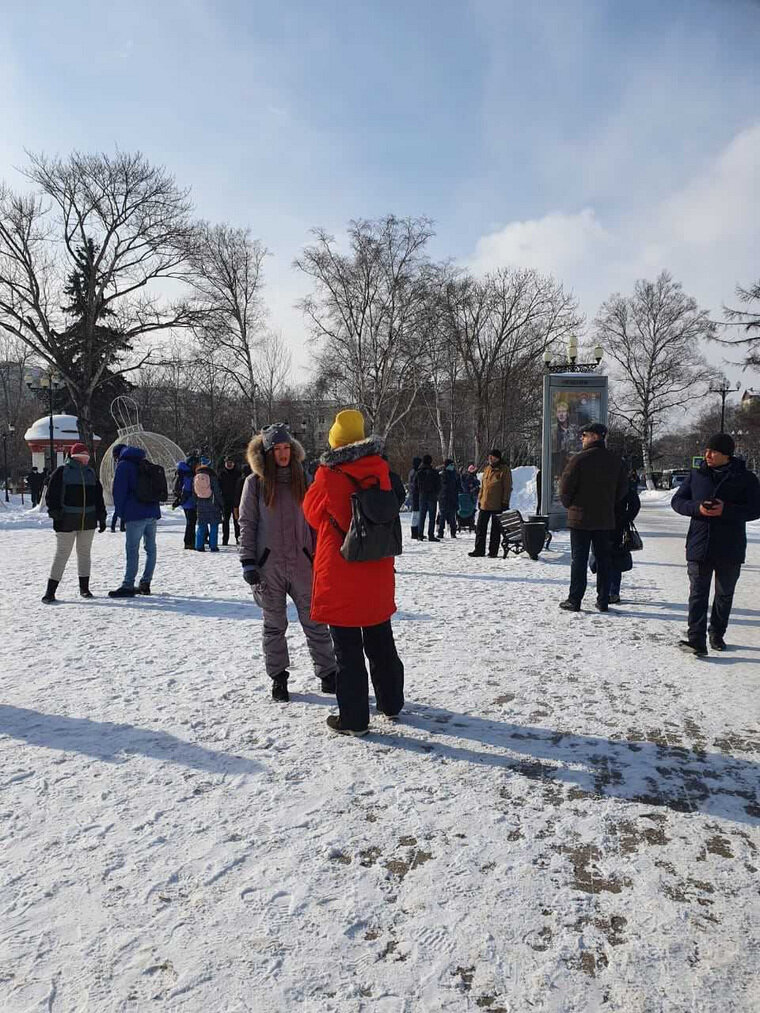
[9,432]
[572,366]
[49,384]
[724,390]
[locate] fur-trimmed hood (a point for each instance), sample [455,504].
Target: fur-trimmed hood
[255,454]
[353,451]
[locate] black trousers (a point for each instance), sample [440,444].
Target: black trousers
[481,529]
[226,524]
[385,669]
[580,546]
[447,516]
[700,579]
[428,508]
[190,518]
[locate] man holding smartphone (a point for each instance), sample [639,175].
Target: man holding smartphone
[720,497]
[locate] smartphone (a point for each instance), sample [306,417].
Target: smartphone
[708,504]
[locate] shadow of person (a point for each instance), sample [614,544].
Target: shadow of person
[113,743]
[653,772]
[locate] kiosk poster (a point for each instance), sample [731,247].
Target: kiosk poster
[571,410]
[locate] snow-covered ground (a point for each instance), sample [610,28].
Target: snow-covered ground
[566,819]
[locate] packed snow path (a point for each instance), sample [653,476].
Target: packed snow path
[566,819]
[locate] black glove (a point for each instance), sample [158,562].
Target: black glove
[101,526]
[251,573]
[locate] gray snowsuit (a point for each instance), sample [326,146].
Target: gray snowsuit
[282,543]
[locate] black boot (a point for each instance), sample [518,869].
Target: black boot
[84,588]
[280,687]
[415,534]
[49,595]
[144,587]
[328,683]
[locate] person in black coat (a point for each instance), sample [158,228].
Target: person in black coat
[720,497]
[35,480]
[448,498]
[229,478]
[428,486]
[414,496]
[626,510]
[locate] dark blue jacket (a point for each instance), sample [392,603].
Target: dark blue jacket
[448,495]
[718,539]
[185,472]
[125,500]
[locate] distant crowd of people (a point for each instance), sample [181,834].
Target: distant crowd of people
[329,542]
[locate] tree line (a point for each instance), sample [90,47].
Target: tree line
[108,277]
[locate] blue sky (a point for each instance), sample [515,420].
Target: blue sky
[600,140]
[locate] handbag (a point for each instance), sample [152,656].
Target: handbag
[631,538]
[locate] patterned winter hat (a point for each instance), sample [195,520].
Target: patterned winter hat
[277,432]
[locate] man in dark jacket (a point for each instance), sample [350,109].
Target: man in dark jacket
[229,477]
[428,485]
[720,497]
[414,497]
[448,498]
[35,481]
[140,520]
[593,482]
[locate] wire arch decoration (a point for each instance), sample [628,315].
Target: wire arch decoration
[158,448]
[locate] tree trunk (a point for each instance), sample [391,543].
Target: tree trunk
[647,456]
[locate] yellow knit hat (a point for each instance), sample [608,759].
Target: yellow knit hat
[348,427]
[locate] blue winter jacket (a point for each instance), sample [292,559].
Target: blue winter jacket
[186,497]
[125,500]
[718,539]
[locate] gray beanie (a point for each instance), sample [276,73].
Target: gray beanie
[278,432]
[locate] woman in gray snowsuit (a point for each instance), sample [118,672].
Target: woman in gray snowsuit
[276,553]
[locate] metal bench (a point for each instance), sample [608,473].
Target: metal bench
[518,535]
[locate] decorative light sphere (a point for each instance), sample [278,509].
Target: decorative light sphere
[159,449]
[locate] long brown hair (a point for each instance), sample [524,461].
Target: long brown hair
[297,477]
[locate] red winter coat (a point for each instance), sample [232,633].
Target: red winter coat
[343,593]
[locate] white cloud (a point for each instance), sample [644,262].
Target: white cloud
[705,233]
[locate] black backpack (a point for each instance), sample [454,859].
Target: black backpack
[151,482]
[375,529]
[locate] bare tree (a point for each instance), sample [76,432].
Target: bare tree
[111,227]
[272,371]
[501,323]
[365,314]
[227,267]
[749,321]
[654,337]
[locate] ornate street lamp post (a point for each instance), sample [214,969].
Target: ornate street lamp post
[47,387]
[724,390]
[9,432]
[572,365]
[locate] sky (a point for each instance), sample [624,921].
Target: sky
[597,140]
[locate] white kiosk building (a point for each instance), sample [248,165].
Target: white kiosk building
[65,435]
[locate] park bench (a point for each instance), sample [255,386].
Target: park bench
[518,535]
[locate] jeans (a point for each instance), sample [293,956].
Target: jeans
[616,577]
[190,518]
[226,524]
[700,578]
[447,516]
[203,529]
[481,529]
[385,669]
[580,546]
[428,507]
[138,531]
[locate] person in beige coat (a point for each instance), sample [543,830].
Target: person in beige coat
[493,499]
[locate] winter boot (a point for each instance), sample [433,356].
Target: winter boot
[415,534]
[697,648]
[280,687]
[84,588]
[569,605]
[144,587]
[49,595]
[328,683]
[717,642]
[123,592]
[334,724]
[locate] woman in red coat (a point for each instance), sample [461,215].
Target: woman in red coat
[356,599]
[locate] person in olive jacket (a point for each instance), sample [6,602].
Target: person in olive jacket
[720,497]
[592,484]
[74,500]
[493,499]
